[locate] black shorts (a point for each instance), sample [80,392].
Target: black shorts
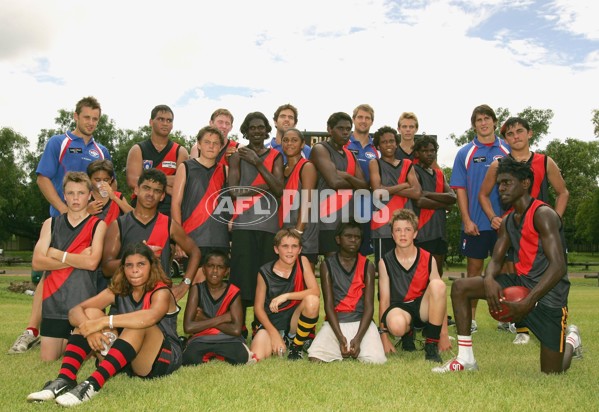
[436,246]
[167,361]
[250,249]
[56,328]
[326,242]
[234,353]
[478,247]
[281,320]
[381,247]
[412,307]
[548,324]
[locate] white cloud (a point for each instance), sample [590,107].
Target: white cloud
[577,16]
[321,56]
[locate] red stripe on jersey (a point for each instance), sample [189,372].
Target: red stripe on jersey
[259,180]
[382,216]
[223,159]
[232,292]
[81,242]
[427,214]
[539,170]
[355,291]
[113,210]
[298,285]
[148,296]
[291,191]
[160,234]
[529,241]
[331,204]
[171,156]
[421,275]
[207,204]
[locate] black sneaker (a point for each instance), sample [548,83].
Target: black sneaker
[81,393]
[295,352]
[407,342]
[51,390]
[431,353]
[308,342]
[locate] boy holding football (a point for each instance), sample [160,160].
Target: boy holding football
[535,232]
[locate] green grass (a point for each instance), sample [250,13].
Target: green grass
[508,379]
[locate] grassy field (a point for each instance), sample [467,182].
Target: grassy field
[509,377]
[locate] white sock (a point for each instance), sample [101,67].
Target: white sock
[465,352]
[573,340]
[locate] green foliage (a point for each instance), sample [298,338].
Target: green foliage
[587,219]
[595,120]
[539,120]
[579,163]
[454,230]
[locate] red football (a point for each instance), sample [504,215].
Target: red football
[511,294]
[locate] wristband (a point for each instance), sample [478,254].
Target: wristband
[64,257]
[110,326]
[301,232]
[383,331]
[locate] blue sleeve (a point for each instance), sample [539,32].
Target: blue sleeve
[307,149]
[48,165]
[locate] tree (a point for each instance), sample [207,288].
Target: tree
[539,120]
[18,214]
[587,219]
[595,121]
[579,163]
[454,230]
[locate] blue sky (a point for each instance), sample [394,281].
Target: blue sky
[437,58]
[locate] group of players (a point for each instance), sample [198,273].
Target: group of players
[271,208]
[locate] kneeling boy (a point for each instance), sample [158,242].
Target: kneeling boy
[347,280]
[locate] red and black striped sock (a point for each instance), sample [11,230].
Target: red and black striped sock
[117,357]
[432,333]
[75,353]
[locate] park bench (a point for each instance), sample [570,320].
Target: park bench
[585,264]
[10,260]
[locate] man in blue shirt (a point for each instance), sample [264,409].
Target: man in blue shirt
[469,170]
[71,152]
[361,144]
[285,118]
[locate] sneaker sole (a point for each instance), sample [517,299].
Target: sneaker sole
[33,345]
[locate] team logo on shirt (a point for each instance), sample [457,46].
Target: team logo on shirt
[169,165]
[481,159]
[370,155]
[147,164]
[497,157]
[94,153]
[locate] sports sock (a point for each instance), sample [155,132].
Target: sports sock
[117,357]
[75,353]
[35,332]
[432,333]
[465,352]
[573,340]
[304,326]
[521,328]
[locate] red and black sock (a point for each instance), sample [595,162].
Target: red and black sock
[75,353]
[117,357]
[432,333]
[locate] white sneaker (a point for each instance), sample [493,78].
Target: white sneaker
[455,365]
[51,390]
[578,350]
[473,327]
[79,394]
[24,342]
[503,326]
[521,339]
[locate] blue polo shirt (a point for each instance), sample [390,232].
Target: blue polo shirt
[68,153]
[364,154]
[469,169]
[274,145]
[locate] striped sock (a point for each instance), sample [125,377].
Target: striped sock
[75,353]
[118,356]
[465,352]
[304,326]
[432,333]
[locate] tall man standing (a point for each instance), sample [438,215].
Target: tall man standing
[469,169]
[158,152]
[285,118]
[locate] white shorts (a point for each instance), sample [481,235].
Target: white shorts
[325,346]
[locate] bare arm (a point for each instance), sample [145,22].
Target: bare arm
[354,345]
[311,288]
[323,163]
[112,248]
[49,192]
[470,228]
[192,251]
[309,178]
[178,193]
[229,322]
[134,166]
[559,185]
[384,302]
[182,156]
[484,196]
[329,308]
[40,260]
[89,258]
